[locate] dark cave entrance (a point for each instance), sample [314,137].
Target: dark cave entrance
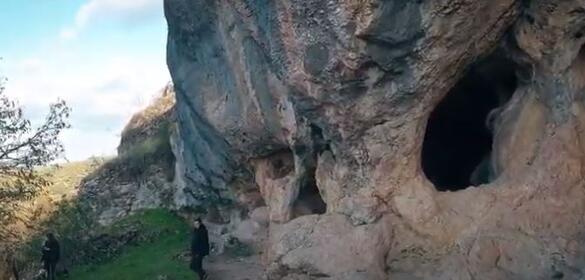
[458,141]
[309,200]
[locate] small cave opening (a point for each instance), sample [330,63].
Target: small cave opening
[309,200]
[458,140]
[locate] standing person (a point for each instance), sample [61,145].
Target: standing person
[199,248]
[51,252]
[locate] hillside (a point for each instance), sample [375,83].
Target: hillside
[85,199]
[64,180]
[33,215]
[141,176]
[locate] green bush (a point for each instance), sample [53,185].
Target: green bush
[155,150]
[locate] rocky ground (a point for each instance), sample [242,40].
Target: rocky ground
[236,268]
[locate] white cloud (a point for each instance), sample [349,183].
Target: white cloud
[79,141]
[125,11]
[105,79]
[31,65]
[68,33]
[103,95]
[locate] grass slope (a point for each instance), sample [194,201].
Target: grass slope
[64,178]
[63,181]
[157,259]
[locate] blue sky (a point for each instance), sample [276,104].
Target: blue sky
[106,58]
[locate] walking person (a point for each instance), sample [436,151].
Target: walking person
[51,253]
[199,248]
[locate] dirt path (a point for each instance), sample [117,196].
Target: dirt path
[223,267]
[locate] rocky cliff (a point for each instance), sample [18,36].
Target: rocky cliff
[388,139]
[141,176]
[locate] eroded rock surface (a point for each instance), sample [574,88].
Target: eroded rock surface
[345,88]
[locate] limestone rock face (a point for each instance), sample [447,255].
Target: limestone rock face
[331,112]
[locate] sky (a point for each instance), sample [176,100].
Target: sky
[105,58]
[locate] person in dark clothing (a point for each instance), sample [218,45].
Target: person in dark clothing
[51,252]
[199,248]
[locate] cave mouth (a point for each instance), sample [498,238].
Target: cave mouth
[309,200]
[458,140]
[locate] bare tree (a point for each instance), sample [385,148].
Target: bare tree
[23,148]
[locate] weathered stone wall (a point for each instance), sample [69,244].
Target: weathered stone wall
[347,87]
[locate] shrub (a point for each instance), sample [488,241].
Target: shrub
[155,150]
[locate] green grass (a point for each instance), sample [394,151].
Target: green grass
[149,260]
[63,178]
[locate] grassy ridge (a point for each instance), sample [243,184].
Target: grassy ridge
[155,259]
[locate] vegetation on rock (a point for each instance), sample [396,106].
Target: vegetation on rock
[153,150]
